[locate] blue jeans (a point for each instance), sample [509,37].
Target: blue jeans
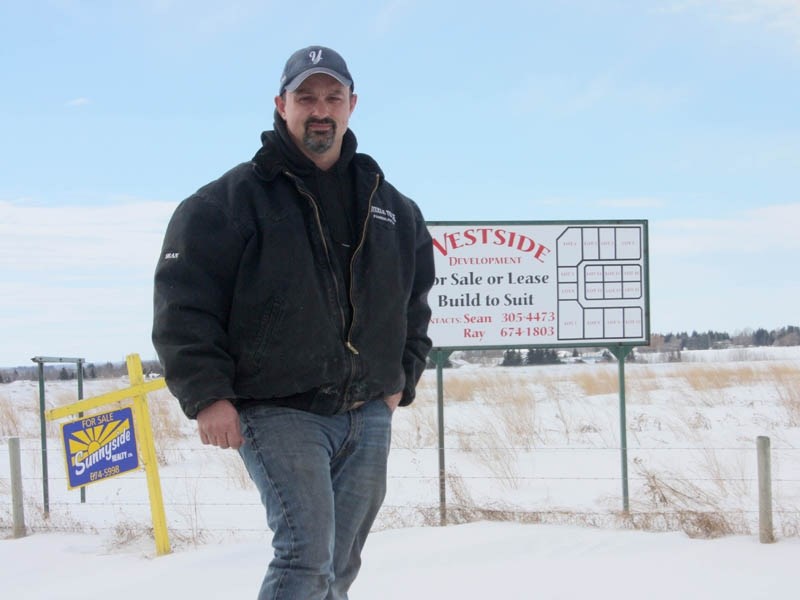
[322,481]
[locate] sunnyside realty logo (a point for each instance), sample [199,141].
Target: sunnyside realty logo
[100,446]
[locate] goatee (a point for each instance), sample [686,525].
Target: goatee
[319,142]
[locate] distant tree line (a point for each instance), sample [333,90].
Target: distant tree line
[68,371]
[785,336]
[531,356]
[667,342]
[672,343]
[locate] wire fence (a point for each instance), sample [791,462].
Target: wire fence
[705,491]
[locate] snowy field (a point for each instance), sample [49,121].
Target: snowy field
[534,493]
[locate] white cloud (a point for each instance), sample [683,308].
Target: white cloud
[389,13]
[768,229]
[631,203]
[725,273]
[76,102]
[206,17]
[56,239]
[783,14]
[77,280]
[775,16]
[570,95]
[607,89]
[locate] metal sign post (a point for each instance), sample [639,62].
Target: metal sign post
[621,352]
[440,359]
[41,360]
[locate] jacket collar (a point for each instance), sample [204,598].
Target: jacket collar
[279,153]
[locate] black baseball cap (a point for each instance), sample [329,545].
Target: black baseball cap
[311,60]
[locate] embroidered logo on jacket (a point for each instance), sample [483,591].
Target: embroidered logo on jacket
[384,214]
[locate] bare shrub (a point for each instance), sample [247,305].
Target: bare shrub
[463,509]
[459,496]
[681,503]
[706,525]
[189,512]
[129,532]
[492,450]
[788,520]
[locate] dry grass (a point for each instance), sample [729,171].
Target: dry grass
[786,380]
[518,421]
[599,380]
[168,421]
[461,389]
[706,495]
[704,377]
[191,514]
[234,468]
[10,422]
[127,532]
[21,419]
[491,449]
[422,430]
[701,378]
[513,405]
[677,501]
[640,381]
[461,508]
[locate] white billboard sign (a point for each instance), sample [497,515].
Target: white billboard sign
[549,284]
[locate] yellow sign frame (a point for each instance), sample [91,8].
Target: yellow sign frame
[137,391]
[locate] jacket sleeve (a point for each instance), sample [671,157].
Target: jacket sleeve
[193,287]
[418,344]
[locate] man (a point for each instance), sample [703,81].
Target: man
[291,319]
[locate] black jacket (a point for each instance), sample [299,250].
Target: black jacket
[249,302]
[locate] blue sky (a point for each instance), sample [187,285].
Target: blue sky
[684,113]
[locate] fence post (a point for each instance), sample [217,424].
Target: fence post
[765,531]
[17,510]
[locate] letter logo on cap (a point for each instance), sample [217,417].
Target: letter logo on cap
[315,56]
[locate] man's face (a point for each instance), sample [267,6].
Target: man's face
[317,114]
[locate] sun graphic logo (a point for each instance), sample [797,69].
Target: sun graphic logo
[100,446]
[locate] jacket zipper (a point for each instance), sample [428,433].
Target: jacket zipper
[348,341]
[324,244]
[350,345]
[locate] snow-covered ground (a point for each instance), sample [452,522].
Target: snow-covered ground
[477,561]
[537,445]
